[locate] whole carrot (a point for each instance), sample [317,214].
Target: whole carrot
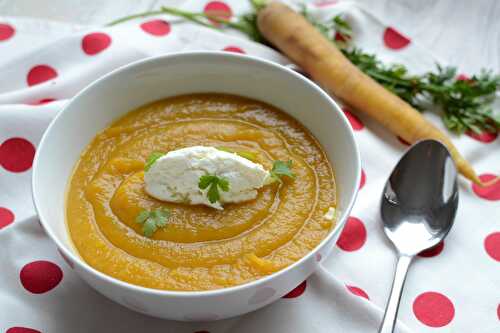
[308,48]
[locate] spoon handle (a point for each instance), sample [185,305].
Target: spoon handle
[391,311]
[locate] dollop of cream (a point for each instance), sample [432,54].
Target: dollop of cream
[175,176]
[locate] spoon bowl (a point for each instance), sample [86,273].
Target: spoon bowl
[418,207]
[420,198]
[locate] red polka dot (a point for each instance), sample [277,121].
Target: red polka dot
[356,124]
[299,290]
[362,181]
[40,74]
[433,251]
[485,137]
[21,330]
[433,309]
[6,217]
[156,27]
[234,49]
[353,237]
[42,101]
[498,311]
[40,276]
[492,245]
[358,291]
[325,3]
[318,257]
[394,40]
[16,154]
[341,38]
[219,10]
[6,31]
[403,141]
[463,77]
[491,192]
[95,43]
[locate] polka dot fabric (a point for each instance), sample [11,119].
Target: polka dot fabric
[394,40]
[433,309]
[40,74]
[358,292]
[297,291]
[156,28]
[350,288]
[6,217]
[41,276]
[16,154]
[6,32]
[95,42]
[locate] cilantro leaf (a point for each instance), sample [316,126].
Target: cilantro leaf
[149,228]
[214,183]
[281,169]
[152,159]
[213,193]
[224,184]
[205,181]
[161,213]
[152,220]
[142,217]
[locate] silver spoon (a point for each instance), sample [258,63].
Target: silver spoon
[418,207]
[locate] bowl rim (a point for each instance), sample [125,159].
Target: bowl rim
[250,61]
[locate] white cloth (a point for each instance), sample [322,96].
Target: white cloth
[457,289]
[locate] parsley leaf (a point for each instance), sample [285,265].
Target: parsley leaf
[142,217]
[213,193]
[149,228]
[205,181]
[281,169]
[152,220]
[224,184]
[214,183]
[152,159]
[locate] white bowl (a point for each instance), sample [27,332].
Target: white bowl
[131,86]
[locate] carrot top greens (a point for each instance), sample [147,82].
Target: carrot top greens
[464,104]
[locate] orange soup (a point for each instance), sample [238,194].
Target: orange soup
[200,248]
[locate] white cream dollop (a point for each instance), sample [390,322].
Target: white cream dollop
[174,177]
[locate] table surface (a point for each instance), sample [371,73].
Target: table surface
[465,34]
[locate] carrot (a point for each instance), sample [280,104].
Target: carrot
[308,48]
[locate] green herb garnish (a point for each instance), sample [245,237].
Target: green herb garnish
[465,105]
[152,220]
[152,159]
[214,183]
[243,153]
[281,169]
